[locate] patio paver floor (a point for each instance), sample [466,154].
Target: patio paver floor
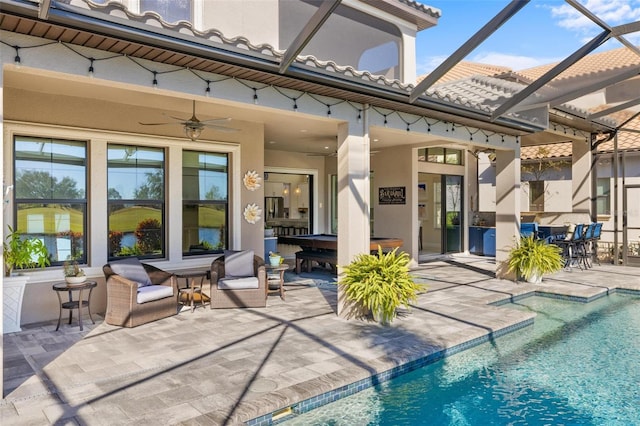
[231,366]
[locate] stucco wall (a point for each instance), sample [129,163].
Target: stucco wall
[392,168]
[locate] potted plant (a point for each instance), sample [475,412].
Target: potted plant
[275,259]
[380,283]
[531,258]
[18,253]
[73,274]
[23,253]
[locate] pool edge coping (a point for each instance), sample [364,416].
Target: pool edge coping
[343,391]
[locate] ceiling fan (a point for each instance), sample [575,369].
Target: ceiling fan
[193,126]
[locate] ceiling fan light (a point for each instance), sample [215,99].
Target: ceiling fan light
[192,133]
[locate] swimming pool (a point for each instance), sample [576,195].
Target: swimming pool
[577,364]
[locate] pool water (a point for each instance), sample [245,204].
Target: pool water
[579,364]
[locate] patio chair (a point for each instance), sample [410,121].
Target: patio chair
[238,280]
[138,293]
[571,245]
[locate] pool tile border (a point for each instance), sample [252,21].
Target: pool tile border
[360,385]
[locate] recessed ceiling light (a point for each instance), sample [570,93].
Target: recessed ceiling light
[326,147]
[272,142]
[375,140]
[303,130]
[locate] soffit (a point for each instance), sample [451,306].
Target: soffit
[421,15]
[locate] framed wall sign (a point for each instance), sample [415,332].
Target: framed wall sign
[392,195]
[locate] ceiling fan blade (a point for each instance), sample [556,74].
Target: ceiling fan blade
[221,128]
[217,120]
[178,119]
[153,124]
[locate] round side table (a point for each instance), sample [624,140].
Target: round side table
[193,287]
[275,277]
[74,304]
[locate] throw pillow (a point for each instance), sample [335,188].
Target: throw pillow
[238,264]
[131,269]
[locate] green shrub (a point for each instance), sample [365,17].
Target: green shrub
[532,256]
[23,253]
[380,283]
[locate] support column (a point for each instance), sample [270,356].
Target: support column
[581,177]
[353,199]
[507,206]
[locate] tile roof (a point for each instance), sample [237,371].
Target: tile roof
[553,150]
[595,63]
[478,91]
[464,69]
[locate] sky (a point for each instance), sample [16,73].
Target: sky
[542,32]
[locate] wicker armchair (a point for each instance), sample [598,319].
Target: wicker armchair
[238,298]
[123,308]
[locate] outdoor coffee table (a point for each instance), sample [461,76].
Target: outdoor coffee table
[193,285]
[275,278]
[74,304]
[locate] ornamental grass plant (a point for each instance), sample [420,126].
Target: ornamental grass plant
[531,258]
[380,283]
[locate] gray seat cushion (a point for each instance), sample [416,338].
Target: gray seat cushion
[150,293]
[131,269]
[238,264]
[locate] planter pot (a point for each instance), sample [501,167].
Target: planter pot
[269,232]
[275,260]
[75,280]
[12,294]
[535,278]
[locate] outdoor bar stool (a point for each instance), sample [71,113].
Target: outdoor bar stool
[592,243]
[583,245]
[569,245]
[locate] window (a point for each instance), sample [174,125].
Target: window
[603,196]
[536,195]
[50,195]
[170,10]
[440,155]
[205,182]
[135,199]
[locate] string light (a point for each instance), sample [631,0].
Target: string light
[208,90]
[17,59]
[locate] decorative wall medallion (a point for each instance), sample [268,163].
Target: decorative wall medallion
[252,180]
[252,213]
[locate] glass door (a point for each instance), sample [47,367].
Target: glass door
[452,213]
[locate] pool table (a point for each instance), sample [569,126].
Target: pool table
[323,248]
[330,242]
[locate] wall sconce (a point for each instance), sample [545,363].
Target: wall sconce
[298,190]
[285,189]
